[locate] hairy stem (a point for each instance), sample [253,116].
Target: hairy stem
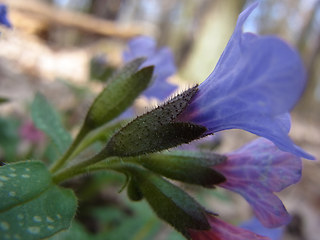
[81,167]
[58,164]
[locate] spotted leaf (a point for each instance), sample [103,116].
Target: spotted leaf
[31,206]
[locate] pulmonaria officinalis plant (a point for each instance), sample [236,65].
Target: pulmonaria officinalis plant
[255,84]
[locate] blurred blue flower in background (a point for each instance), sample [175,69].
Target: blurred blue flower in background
[161,58]
[3,16]
[164,66]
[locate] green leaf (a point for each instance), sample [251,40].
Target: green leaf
[46,119]
[21,182]
[75,232]
[189,167]
[138,225]
[123,88]
[50,154]
[31,206]
[109,215]
[169,202]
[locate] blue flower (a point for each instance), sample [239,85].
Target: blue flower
[256,171]
[3,16]
[257,81]
[163,62]
[255,226]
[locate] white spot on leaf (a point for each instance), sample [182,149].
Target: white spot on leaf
[12,194]
[25,175]
[17,236]
[34,230]
[4,178]
[37,219]
[50,227]
[4,226]
[49,220]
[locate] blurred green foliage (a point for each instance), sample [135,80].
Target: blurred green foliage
[9,138]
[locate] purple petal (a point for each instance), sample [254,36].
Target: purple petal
[138,47]
[3,16]
[255,226]
[223,231]
[276,169]
[127,114]
[255,84]
[267,207]
[255,172]
[161,58]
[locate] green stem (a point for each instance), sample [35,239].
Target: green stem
[58,164]
[80,167]
[104,132]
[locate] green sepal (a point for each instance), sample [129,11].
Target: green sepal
[189,167]
[156,130]
[122,89]
[133,191]
[129,142]
[31,206]
[169,202]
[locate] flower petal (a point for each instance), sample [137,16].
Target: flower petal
[161,58]
[256,82]
[267,207]
[275,169]
[223,231]
[139,46]
[255,172]
[255,226]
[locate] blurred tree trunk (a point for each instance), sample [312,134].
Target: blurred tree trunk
[310,50]
[181,24]
[218,24]
[106,9]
